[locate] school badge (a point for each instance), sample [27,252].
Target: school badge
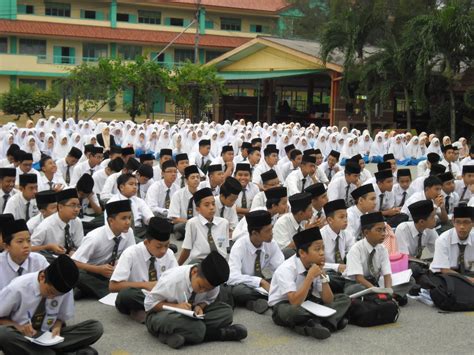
[163,268]
[54,303]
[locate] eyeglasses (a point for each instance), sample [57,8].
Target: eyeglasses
[74,206]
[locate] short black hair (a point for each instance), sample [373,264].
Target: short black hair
[294,153]
[272,201]
[431,181]
[122,179]
[256,229]
[43,160]
[416,219]
[43,206]
[225,191]
[304,247]
[13,148]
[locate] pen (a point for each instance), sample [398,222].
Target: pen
[185,297]
[29,317]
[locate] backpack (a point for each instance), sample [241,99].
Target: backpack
[451,292]
[373,309]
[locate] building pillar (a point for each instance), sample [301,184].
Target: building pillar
[202,20]
[113,14]
[13,45]
[335,81]
[13,81]
[113,50]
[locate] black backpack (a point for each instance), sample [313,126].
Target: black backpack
[372,310]
[451,292]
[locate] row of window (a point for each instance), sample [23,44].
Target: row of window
[91,51]
[146,17]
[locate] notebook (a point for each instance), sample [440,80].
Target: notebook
[46,339]
[318,309]
[185,312]
[371,290]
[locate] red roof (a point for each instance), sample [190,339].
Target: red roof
[249,5]
[49,29]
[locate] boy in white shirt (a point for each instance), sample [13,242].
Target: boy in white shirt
[47,205]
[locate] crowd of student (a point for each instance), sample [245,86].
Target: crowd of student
[270,216]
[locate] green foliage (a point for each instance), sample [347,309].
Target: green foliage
[29,100]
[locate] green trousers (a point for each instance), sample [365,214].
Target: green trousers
[241,294]
[76,337]
[93,285]
[287,315]
[130,299]
[195,331]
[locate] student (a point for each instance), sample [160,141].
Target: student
[128,153]
[251,257]
[192,287]
[7,184]
[50,179]
[365,199]
[140,267]
[254,158]
[454,249]
[62,232]
[270,180]
[215,178]
[100,177]
[42,301]
[110,186]
[226,160]
[331,166]
[292,222]
[450,196]
[47,205]
[424,166]
[283,163]
[141,213]
[368,259]
[390,158]
[9,160]
[202,158]
[449,160]
[302,177]
[165,155]
[114,153]
[147,159]
[144,175]
[270,160]
[342,186]
[225,202]
[249,190]
[18,259]
[414,236]
[158,196]
[320,174]
[25,166]
[463,186]
[101,248]
[256,143]
[402,189]
[89,166]
[88,200]
[4,220]
[244,153]
[469,160]
[293,164]
[182,207]
[182,162]
[301,278]
[23,204]
[319,199]
[205,232]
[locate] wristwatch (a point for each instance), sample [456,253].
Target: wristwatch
[324,279]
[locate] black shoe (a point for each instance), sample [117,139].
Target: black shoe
[78,294]
[342,323]
[402,301]
[415,290]
[87,351]
[173,248]
[316,330]
[235,332]
[259,306]
[174,341]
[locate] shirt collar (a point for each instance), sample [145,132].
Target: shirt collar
[455,239]
[300,269]
[59,220]
[413,231]
[367,245]
[36,288]
[332,234]
[251,247]
[204,221]
[109,233]
[144,251]
[294,222]
[14,265]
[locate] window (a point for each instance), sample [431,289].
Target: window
[33,47]
[129,52]
[159,59]
[259,29]
[149,17]
[90,14]
[92,51]
[209,25]
[40,84]
[231,24]
[25,9]
[176,21]
[3,45]
[123,17]
[210,55]
[57,9]
[181,55]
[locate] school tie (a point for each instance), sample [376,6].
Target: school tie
[319,214]
[68,242]
[167,199]
[337,252]
[419,249]
[152,276]
[38,316]
[461,264]
[310,292]
[330,173]
[222,211]
[50,183]
[182,181]
[27,211]
[91,171]
[299,228]
[370,264]
[244,199]
[139,193]
[450,168]
[5,200]
[20,271]
[192,298]
[381,196]
[257,269]
[190,213]
[403,199]
[114,256]
[81,212]
[347,195]
[446,204]
[210,240]
[203,161]
[68,174]
[462,195]
[303,181]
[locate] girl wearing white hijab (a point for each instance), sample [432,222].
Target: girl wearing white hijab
[140,143]
[76,141]
[414,151]
[398,149]
[435,147]
[49,144]
[348,150]
[30,145]
[364,145]
[62,146]
[152,144]
[377,149]
[322,144]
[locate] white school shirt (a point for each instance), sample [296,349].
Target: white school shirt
[98,245]
[398,194]
[140,210]
[51,230]
[16,205]
[134,264]
[463,191]
[346,241]
[242,261]
[418,184]
[34,262]
[334,170]
[179,204]
[34,222]
[62,168]
[286,168]
[5,163]
[196,158]
[43,182]
[337,190]
[353,221]
[229,213]
[99,178]
[195,238]
[407,238]
[21,298]
[81,169]
[294,182]
[175,287]
[321,175]
[262,168]
[285,228]
[2,200]
[388,199]
[417,196]
[110,186]
[453,201]
[203,184]
[20,172]
[105,163]
[422,169]
[455,168]
[250,191]
[242,227]
[289,277]
[156,194]
[467,161]
[157,172]
[358,257]
[447,251]
[143,188]
[259,200]
[365,175]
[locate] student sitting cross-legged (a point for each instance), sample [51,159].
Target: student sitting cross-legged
[302,278]
[253,258]
[192,287]
[141,266]
[42,301]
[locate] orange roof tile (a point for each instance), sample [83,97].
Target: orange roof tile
[49,29]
